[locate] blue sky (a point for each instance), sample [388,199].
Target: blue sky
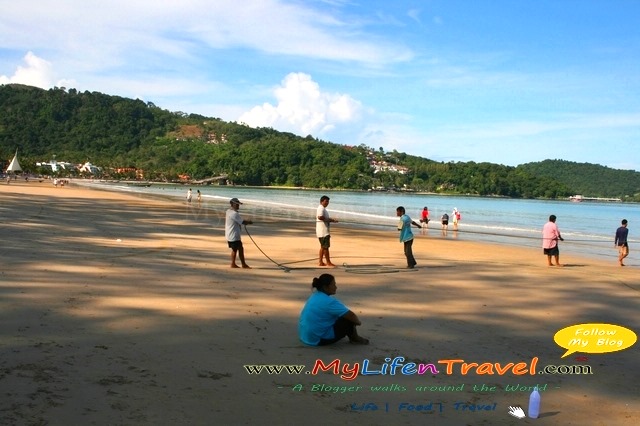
[502,81]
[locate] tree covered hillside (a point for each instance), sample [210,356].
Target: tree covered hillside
[590,180]
[118,134]
[75,125]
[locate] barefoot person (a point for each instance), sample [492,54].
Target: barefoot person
[550,237]
[445,222]
[406,236]
[324,319]
[232,224]
[424,218]
[323,233]
[621,241]
[456,218]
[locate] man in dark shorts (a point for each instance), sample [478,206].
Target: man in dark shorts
[445,221]
[323,232]
[550,237]
[233,222]
[621,242]
[424,217]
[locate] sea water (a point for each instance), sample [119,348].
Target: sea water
[587,227]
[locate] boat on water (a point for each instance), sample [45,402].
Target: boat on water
[580,198]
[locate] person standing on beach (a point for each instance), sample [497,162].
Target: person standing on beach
[445,222]
[199,197]
[550,237]
[189,194]
[456,217]
[324,319]
[232,224]
[406,236]
[323,232]
[621,241]
[424,217]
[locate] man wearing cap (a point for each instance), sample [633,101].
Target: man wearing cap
[232,224]
[322,231]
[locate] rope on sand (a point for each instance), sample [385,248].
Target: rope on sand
[374,269]
[279,265]
[354,269]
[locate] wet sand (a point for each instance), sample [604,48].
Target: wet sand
[120,309]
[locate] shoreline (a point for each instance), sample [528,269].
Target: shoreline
[587,199]
[582,242]
[216,208]
[122,309]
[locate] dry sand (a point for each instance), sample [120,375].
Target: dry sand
[122,310]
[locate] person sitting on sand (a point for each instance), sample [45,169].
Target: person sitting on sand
[324,319]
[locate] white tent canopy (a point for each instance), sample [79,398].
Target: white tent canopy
[14,166]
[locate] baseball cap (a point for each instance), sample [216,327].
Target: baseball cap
[235,201]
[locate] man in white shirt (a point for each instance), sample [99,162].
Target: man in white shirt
[323,233]
[232,224]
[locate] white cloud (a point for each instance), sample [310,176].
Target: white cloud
[303,108]
[36,72]
[106,33]
[183,52]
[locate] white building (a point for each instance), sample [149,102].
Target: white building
[56,166]
[89,168]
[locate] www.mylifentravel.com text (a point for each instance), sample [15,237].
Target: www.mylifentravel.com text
[398,366]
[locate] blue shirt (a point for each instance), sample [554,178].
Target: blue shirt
[405,231]
[318,316]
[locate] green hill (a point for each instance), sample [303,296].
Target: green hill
[127,138]
[590,180]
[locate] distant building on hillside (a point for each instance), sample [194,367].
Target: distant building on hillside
[89,168]
[56,166]
[383,166]
[138,173]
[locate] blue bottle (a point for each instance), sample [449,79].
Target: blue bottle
[534,403]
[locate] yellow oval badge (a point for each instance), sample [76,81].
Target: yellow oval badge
[594,338]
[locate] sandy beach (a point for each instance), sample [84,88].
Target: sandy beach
[118,309]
